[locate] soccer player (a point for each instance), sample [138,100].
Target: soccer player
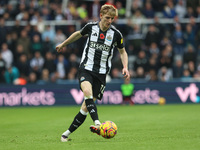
[96,64]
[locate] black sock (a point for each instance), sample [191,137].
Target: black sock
[78,120]
[92,109]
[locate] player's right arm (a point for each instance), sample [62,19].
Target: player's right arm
[75,36]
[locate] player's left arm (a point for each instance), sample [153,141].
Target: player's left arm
[124,59]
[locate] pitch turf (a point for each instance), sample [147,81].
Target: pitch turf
[140,127]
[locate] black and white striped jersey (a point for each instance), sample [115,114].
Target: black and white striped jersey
[99,47]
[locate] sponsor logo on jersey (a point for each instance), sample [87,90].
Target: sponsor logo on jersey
[82,78]
[102,47]
[94,34]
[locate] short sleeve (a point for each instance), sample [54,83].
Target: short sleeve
[120,41]
[86,29]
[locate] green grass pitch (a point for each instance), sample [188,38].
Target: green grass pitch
[140,127]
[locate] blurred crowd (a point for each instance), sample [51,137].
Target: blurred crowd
[157,51]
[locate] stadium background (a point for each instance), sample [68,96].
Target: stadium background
[161,38]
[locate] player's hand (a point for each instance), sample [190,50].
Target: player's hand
[59,48]
[126,73]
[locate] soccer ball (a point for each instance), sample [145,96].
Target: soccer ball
[108,129]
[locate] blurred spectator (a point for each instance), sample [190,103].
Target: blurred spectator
[152,64]
[166,57]
[121,10]
[180,8]
[59,37]
[45,77]
[197,73]
[13,43]
[148,10]
[48,32]
[73,61]
[189,35]
[198,12]
[3,31]
[32,31]
[82,11]
[172,27]
[186,75]
[36,64]
[191,67]
[169,10]
[11,74]
[9,42]
[116,73]
[140,73]
[110,2]
[189,54]
[135,39]
[2,69]
[32,78]
[7,17]
[45,14]
[137,17]
[94,9]
[164,42]
[151,75]
[36,45]
[22,12]
[160,28]
[17,28]
[11,9]
[23,65]
[178,40]
[49,63]
[62,67]
[141,61]
[70,10]
[153,49]
[18,52]
[47,45]
[73,65]
[194,25]
[136,4]
[25,41]
[178,68]
[36,19]
[7,55]
[58,15]
[32,7]
[72,74]
[165,74]
[151,36]
[158,6]
[190,12]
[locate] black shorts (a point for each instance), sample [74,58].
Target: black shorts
[98,81]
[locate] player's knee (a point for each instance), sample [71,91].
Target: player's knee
[87,93]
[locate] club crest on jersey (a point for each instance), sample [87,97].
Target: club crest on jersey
[82,78]
[102,36]
[109,38]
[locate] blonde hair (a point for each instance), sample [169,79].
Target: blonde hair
[109,9]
